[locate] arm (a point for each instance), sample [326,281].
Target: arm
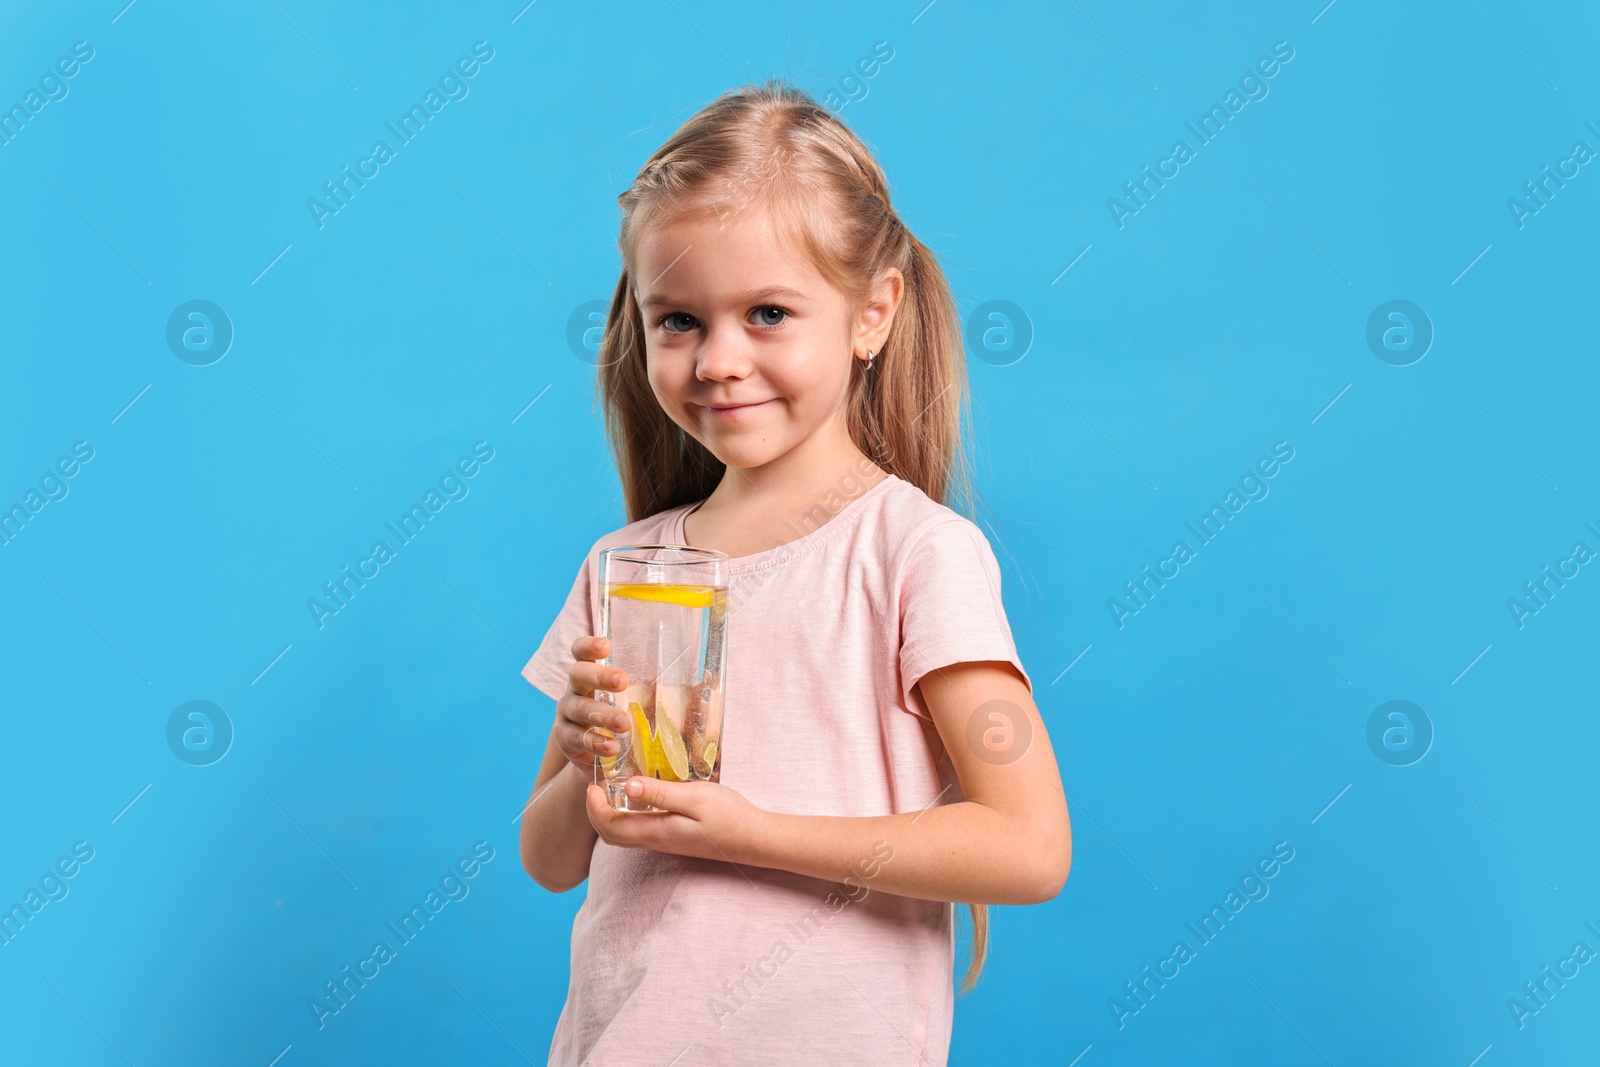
[1008,842]
[558,834]
[557,839]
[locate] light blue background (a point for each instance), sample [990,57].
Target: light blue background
[1225,316]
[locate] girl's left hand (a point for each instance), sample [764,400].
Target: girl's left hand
[705,820]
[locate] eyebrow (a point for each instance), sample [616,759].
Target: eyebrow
[743,298]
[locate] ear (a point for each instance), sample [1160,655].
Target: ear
[872,326]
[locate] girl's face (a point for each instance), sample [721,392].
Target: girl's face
[749,348]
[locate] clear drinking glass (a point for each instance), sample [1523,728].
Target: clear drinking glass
[664,608]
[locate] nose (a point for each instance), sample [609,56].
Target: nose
[723,354]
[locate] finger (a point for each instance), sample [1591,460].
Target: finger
[602,816]
[590,647]
[594,802]
[587,711]
[586,677]
[586,742]
[592,740]
[580,759]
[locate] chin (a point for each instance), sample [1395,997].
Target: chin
[743,454]
[746,458]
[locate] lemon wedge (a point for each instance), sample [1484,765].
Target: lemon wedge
[643,743]
[674,764]
[688,596]
[674,700]
[709,754]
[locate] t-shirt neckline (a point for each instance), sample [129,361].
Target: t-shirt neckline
[844,517]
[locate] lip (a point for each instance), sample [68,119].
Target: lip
[735,411]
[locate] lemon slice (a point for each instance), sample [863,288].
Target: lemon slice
[688,596]
[709,754]
[643,744]
[674,700]
[674,765]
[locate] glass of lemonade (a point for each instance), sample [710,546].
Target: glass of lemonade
[664,608]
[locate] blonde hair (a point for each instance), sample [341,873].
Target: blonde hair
[774,146]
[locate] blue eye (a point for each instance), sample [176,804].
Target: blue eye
[768,318]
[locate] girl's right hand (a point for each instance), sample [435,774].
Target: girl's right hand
[579,716]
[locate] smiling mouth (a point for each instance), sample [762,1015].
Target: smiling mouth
[736,409]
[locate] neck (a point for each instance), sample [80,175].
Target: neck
[799,480]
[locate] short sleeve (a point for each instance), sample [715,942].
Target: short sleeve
[950,607]
[549,670]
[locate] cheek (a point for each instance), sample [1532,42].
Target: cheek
[811,378]
[668,380]
[821,384]
[659,373]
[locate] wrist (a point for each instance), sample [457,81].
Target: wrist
[757,845]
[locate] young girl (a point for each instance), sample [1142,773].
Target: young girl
[783,381]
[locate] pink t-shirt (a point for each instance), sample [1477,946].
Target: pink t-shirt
[750,965]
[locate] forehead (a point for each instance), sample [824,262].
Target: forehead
[706,259]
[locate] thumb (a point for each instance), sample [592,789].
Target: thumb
[655,792]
